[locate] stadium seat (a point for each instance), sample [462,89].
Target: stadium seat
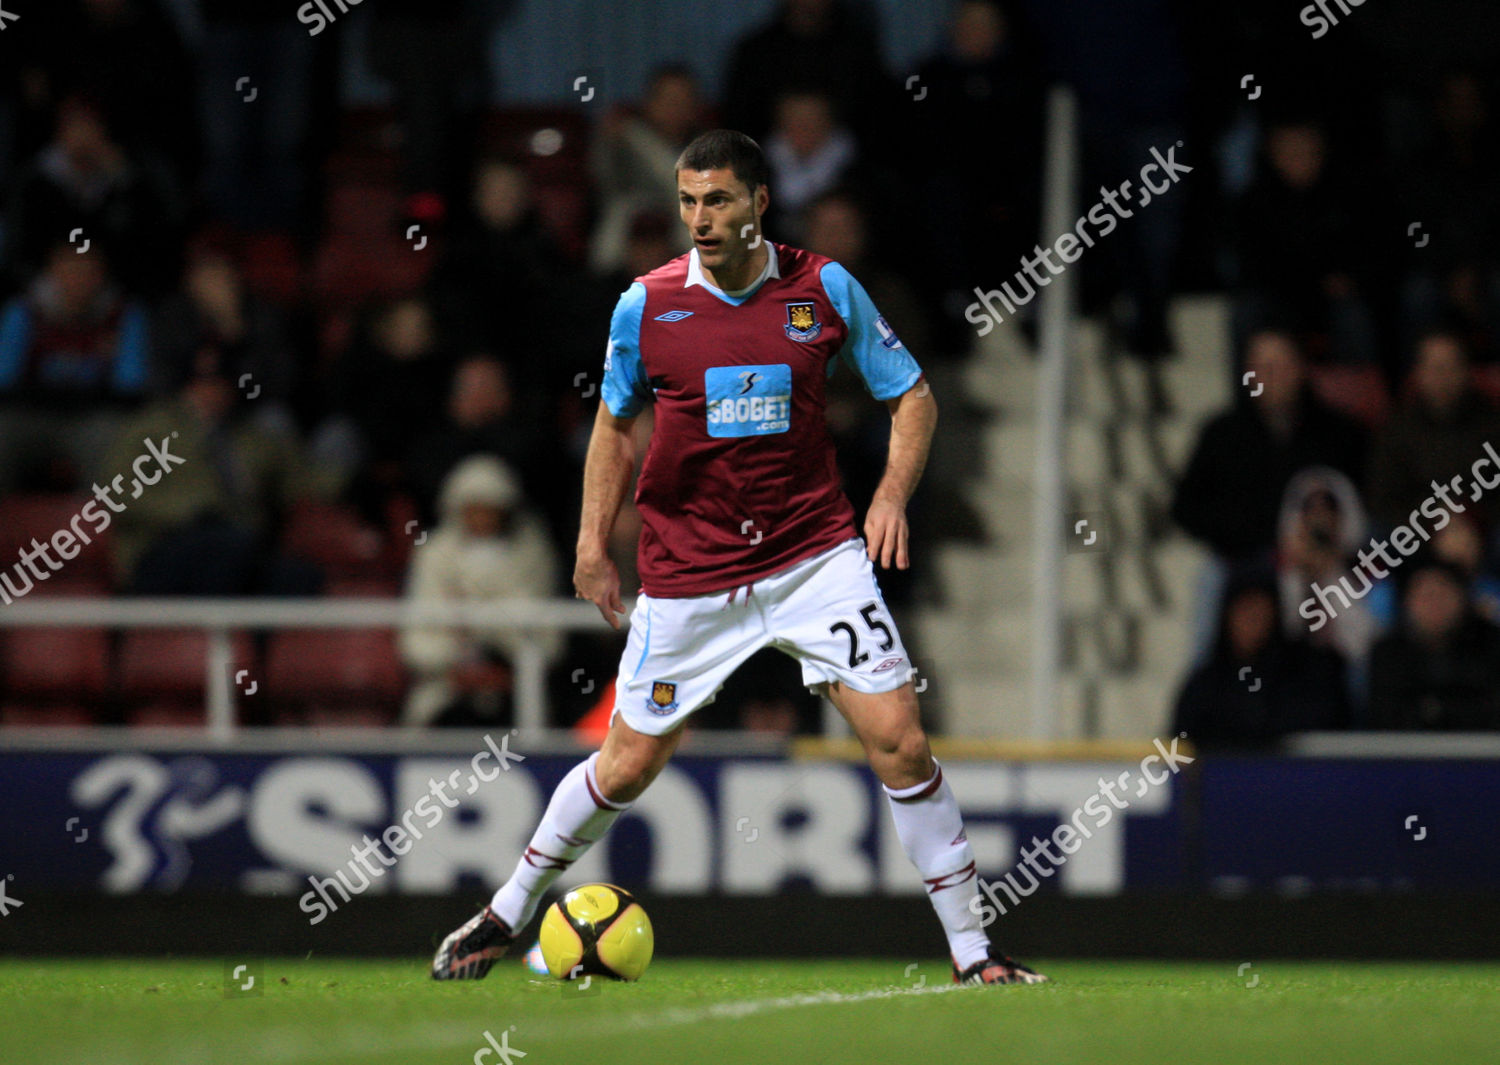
[24,517]
[272,267]
[339,666]
[57,715]
[56,664]
[172,663]
[363,588]
[1358,391]
[1487,382]
[167,714]
[335,538]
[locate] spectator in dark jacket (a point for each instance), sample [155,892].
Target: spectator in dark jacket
[84,187]
[818,46]
[1258,686]
[1230,494]
[1438,432]
[1441,669]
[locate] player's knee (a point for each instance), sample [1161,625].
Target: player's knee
[623,774]
[904,749]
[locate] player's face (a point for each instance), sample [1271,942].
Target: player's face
[722,215]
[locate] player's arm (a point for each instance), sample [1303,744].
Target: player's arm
[913,420]
[606,477]
[624,392]
[891,375]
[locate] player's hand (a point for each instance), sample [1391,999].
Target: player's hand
[596,579]
[886,534]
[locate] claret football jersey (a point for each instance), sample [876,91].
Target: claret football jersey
[740,478]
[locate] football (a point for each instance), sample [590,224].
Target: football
[597,929]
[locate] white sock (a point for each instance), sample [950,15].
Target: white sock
[932,832]
[577,816]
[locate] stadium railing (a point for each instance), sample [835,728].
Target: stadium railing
[220,618]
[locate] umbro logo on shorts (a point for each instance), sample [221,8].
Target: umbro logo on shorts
[673,316]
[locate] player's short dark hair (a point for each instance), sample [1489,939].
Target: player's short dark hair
[727,147]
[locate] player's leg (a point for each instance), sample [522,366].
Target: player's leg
[589,800]
[584,805]
[677,655]
[929,825]
[829,613]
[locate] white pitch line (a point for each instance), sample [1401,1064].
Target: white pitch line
[288,1045]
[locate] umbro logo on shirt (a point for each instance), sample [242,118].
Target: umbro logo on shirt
[673,316]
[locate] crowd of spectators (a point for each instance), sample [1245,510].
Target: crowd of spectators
[1367,552]
[348,309]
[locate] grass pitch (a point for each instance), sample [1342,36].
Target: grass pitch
[315,1012]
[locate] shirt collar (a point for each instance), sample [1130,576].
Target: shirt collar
[695,274]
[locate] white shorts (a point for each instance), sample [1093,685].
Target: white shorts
[825,611]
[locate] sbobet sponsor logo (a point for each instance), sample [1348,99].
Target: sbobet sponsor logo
[748,400]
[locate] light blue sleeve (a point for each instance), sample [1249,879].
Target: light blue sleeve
[132,355]
[873,349]
[15,341]
[626,390]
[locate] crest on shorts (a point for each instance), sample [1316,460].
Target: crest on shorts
[663,697]
[802,320]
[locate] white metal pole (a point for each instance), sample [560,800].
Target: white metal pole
[220,658]
[1058,216]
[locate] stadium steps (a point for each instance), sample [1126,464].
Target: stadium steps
[1128,611]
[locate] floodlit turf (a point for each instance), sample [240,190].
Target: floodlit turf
[318,1012]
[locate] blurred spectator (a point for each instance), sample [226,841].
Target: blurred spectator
[393,383]
[1447,180]
[973,228]
[1441,668]
[650,241]
[1303,245]
[482,416]
[73,351]
[83,187]
[1460,543]
[1322,527]
[817,46]
[487,548]
[634,163]
[210,528]
[211,310]
[1259,686]
[127,56]
[1230,493]
[809,153]
[497,280]
[1437,432]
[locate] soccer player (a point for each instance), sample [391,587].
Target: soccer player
[748,539]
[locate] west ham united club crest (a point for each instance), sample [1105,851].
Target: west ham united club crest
[663,697]
[802,320]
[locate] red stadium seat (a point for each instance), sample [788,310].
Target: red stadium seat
[25,715]
[334,666]
[335,538]
[1487,382]
[363,588]
[172,663]
[1358,391]
[60,664]
[272,267]
[169,714]
[25,517]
